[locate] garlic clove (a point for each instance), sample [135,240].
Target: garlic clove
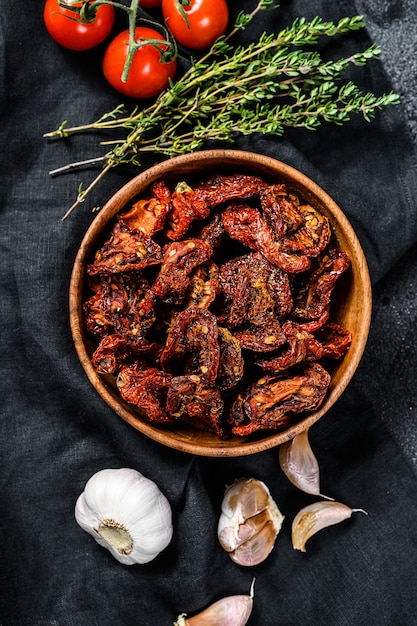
[245,498]
[257,548]
[314,517]
[249,522]
[299,464]
[126,513]
[229,611]
[252,526]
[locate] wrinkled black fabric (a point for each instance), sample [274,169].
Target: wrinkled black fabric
[55,431]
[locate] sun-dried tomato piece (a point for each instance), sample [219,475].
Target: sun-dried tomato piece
[335,340]
[280,209]
[276,398]
[147,215]
[161,192]
[240,302]
[229,274]
[313,325]
[236,416]
[116,350]
[300,228]
[213,233]
[330,341]
[224,188]
[187,205]
[180,259]
[299,345]
[231,364]
[146,389]
[246,224]
[204,286]
[98,314]
[193,402]
[279,285]
[122,303]
[125,250]
[261,338]
[192,345]
[312,236]
[232,280]
[260,308]
[257,291]
[315,289]
[239,424]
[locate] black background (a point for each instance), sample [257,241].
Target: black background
[55,432]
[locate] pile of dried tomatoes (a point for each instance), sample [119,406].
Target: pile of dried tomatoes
[210,304]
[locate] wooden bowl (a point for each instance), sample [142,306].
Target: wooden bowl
[351,301]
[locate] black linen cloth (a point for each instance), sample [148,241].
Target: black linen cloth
[55,431]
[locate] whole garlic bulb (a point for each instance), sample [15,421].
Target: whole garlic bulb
[126,513]
[249,522]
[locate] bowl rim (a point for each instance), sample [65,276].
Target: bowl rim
[119,200]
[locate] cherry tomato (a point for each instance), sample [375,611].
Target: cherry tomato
[207,20]
[66,28]
[148,76]
[150,4]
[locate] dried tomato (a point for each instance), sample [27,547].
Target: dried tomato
[187,205]
[147,215]
[280,209]
[312,236]
[147,389]
[213,233]
[261,338]
[116,350]
[299,346]
[122,303]
[258,291]
[179,260]
[247,225]
[193,402]
[272,399]
[334,339]
[300,228]
[192,345]
[224,188]
[231,363]
[125,250]
[315,289]
[204,286]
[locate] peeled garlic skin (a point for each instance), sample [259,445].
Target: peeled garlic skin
[315,517]
[249,522]
[299,464]
[126,502]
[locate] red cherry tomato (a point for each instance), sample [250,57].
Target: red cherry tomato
[150,4]
[147,75]
[207,20]
[66,28]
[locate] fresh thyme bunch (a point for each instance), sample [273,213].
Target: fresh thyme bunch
[263,87]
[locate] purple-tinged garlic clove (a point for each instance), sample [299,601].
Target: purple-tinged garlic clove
[314,517]
[299,464]
[229,611]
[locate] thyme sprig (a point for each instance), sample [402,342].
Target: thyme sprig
[263,87]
